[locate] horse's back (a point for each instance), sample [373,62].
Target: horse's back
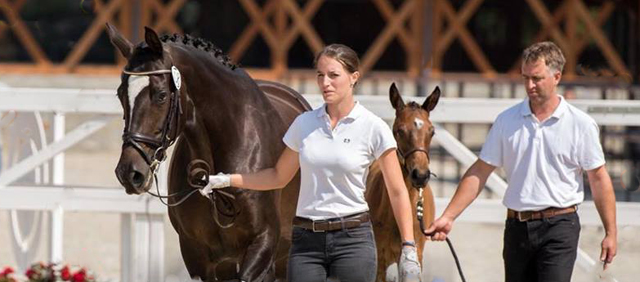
[287,102]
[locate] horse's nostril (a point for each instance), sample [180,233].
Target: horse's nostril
[420,177]
[136,178]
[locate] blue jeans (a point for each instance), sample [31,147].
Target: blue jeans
[348,255]
[541,250]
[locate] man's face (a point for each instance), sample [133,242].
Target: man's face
[539,81]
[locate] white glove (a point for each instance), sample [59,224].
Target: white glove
[409,266]
[217,181]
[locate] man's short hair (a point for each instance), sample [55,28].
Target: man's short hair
[546,50]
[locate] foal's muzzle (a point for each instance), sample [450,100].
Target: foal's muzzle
[419,179]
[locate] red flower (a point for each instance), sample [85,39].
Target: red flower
[79,276]
[6,271]
[65,274]
[30,273]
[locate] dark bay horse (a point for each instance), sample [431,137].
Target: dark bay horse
[413,131]
[185,90]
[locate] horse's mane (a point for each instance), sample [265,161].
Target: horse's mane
[201,44]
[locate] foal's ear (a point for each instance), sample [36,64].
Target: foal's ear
[396,99]
[152,40]
[119,41]
[432,100]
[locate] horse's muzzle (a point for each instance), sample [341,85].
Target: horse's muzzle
[133,175]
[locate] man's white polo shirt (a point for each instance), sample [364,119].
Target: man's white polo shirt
[544,161]
[334,163]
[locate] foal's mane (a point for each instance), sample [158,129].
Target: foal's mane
[414,105]
[201,44]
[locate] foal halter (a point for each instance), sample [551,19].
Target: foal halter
[404,156]
[161,145]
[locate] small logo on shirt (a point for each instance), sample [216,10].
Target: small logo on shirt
[346,140]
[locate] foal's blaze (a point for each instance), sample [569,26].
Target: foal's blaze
[413,131]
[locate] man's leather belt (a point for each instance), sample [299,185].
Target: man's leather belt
[546,213]
[331,224]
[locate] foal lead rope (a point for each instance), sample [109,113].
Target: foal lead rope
[419,209]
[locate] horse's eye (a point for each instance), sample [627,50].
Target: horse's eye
[161,96]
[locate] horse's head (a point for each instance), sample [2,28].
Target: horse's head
[413,132]
[150,98]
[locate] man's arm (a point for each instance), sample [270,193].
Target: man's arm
[469,188]
[605,201]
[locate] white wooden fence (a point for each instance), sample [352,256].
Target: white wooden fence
[142,216]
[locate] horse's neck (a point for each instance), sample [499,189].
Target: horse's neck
[221,112]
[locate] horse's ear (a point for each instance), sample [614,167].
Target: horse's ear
[153,41]
[432,100]
[119,41]
[396,99]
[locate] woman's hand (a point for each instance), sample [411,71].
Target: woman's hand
[217,181]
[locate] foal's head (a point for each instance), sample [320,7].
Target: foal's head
[413,132]
[150,97]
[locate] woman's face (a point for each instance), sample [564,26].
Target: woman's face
[334,81]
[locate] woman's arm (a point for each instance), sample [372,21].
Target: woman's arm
[267,179]
[398,193]
[271,178]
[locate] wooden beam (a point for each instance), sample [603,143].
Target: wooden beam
[601,40]
[308,32]
[17,6]
[415,53]
[258,18]
[383,39]
[166,16]
[90,36]
[24,35]
[125,27]
[471,47]
[309,11]
[249,33]
[546,20]
[458,21]
[387,13]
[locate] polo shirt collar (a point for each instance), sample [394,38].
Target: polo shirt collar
[354,114]
[525,109]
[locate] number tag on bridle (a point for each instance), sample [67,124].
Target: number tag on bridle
[175,74]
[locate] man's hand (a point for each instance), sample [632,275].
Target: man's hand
[409,266]
[217,181]
[440,228]
[609,249]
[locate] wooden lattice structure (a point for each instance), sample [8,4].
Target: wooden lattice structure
[425,29]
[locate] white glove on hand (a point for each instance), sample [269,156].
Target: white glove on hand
[217,181]
[409,266]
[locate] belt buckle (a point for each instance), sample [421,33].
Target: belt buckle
[313,226]
[522,218]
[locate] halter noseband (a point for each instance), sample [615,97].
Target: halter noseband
[404,156]
[159,145]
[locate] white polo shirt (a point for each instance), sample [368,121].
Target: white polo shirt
[544,161]
[334,164]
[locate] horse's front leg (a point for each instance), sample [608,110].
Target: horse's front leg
[258,263]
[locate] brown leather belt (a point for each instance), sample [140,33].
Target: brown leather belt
[546,213]
[331,224]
